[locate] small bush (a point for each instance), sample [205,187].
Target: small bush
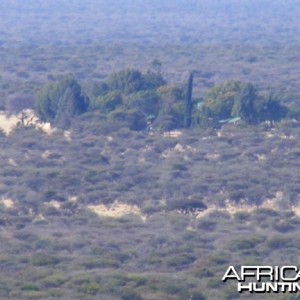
[130,295]
[245,243]
[284,226]
[101,263]
[43,259]
[181,261]
[54,281]
[207,225]
[278,242]
[89,288]
[30,287]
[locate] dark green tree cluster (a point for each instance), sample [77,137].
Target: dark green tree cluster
[59,102]
[144,100]
[137,98]
[235,99]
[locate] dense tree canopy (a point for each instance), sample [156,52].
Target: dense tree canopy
[107,102]
[135,97]
[60,101]
[236,99]
[130,81]
[144,99]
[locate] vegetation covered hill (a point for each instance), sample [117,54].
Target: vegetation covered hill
[174,149]
[200,200]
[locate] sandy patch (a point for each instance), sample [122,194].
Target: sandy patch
[40,218]
[73,199]
[287,137]
[172,134]
[116,210]
[232,208]
[12,162]
[46,127]
[270,135]
[27,117]
[228,209]
[55,204]
[8,203]
[213,156]
[261,157]
[296,210]
[179,148]
[45,154]
[8,123]
[67,135]
[190,228]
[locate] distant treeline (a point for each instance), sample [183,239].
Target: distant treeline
[147,101]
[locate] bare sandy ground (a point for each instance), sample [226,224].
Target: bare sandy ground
[116,210]
[8,123]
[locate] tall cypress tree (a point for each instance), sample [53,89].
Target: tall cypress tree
[187,122]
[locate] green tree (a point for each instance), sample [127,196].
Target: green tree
[129,95]
[170,93]
[220,100]
[133,118]
[237,99]
[269,108]
[147,102]
[171,107]
[170,118]
[244,99]
[107,102]
[129,81]
[126,81]
[59,102]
